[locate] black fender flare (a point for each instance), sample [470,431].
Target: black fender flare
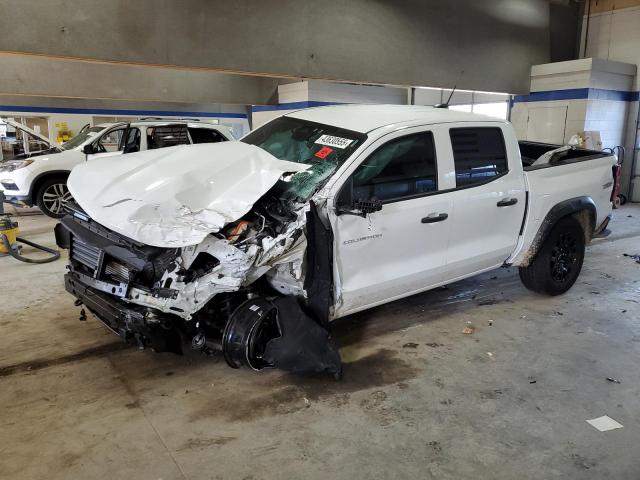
[33,190]
[572,206]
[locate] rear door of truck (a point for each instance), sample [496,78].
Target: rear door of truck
[489,200]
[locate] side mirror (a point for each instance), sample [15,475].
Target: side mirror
[346,205]
[367,206]
[88,149]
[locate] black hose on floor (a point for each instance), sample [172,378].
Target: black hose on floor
[55,255]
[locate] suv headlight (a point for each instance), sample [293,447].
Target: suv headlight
[11,165]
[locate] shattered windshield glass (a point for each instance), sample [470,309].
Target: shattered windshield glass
[323,147]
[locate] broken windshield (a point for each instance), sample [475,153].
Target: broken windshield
[323,147]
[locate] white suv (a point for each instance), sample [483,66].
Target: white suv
[40,177]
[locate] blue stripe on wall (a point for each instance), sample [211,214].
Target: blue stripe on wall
[290,106]
[107,111]
[601,94]
[578,94]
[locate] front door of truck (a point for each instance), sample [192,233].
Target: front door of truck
[488,200]
[401,248]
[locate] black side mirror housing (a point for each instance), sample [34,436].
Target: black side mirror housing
[367,206]
[88,149]
[346,205]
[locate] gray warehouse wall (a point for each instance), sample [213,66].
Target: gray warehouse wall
[31,75]
[483,45]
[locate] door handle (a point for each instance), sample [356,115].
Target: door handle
[507,202]
[435,218]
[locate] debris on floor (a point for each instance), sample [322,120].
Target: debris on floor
[410,345]
[491,323]
[468,330]
[532,379]
[604,423]
[613,380]
[490,301]
[633,257]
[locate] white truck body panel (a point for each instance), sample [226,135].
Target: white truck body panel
[549,186]
[371,254]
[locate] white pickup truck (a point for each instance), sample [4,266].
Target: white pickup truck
[254,246]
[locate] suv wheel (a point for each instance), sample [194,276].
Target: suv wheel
[52,197]
[558,263]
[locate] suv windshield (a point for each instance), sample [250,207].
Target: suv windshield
[81,138]
[323,147]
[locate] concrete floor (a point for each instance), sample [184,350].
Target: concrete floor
[419,399]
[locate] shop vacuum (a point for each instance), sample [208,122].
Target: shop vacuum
[10,241]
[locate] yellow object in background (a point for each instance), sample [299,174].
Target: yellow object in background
[64,135]
[10,230]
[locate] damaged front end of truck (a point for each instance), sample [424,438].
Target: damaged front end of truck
[219,247]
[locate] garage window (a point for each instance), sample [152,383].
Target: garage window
[166,136]
[479,155]
[402,168]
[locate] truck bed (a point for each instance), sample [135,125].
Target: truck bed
[531,151]
[574,174]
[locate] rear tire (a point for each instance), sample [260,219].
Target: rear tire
[52,196]
[557,264]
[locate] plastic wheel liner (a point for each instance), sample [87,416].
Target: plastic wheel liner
[304,346]
[279,334]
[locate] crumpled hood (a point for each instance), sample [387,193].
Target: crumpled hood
[176,196]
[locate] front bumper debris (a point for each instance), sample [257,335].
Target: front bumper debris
[135,290]
[135,325]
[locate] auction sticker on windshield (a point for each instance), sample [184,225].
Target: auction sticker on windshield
[337,142]
[323,153]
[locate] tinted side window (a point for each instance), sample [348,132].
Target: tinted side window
[479,154]
[403,167]
[110,141]
[205,135]
[166,136]
[132,142]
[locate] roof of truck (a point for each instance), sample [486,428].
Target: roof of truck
[364,118]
